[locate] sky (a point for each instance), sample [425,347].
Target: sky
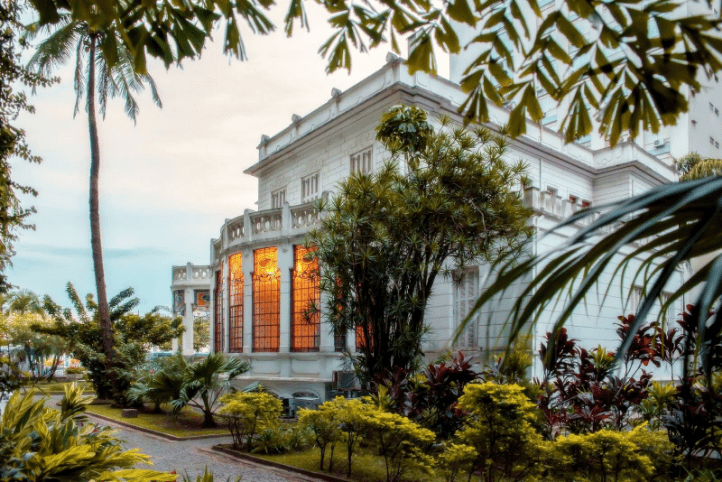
[168,182]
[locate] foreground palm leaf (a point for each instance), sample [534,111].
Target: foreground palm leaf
[661,229]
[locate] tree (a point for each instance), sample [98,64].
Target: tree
[32,347]
[386,237]
[205,380]
[201,332]
[12,140]
[693,166]
[663,49]
[115,77]
[651,235]
[133,336]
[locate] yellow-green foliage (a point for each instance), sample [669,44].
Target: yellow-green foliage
[454,459]
[602,456]
[655,445]
[38,443]
[324,424]
[400,441]
[500,426]
[249,414]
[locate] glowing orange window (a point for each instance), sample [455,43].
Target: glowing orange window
[266,300]
[218,311]
[235,315]
[306,298]
[361,338]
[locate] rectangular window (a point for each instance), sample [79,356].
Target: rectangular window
[278,198]
[362,162]
[339,342]
[309,188]
[218,312]
[711,140]
[306,300]
[466,293]
[635,299]
[361,337]
[266,300]
[235,317]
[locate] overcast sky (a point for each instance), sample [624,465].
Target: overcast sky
[169,182]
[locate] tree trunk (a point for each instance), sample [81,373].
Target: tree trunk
[103,310]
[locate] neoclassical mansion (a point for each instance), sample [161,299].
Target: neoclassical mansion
[257,285]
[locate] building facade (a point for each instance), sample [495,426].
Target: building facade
[263,292]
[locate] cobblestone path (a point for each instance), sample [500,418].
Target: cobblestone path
[194,455]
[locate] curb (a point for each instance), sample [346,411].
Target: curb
[270,463]
[164,435]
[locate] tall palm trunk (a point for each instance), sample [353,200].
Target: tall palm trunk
[103,310]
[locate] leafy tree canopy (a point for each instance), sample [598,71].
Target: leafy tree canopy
[663,49]
[12,139]
[387,236]
[134,334]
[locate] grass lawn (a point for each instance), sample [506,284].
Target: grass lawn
[59,387]
[366,466]
[188,423]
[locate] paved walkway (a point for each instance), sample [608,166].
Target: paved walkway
[194,455]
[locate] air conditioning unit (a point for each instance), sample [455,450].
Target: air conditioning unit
[344,380]
[540,91]
[658,142]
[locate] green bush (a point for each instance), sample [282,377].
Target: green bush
[249,414]
[454,459]
[75,371]
[602,456]
[500,424]
[42,444]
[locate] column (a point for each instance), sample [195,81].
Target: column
[326,330]
[285,264]
[247,299]
[188,323]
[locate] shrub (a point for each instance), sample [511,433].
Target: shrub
[43,444]
[400,442]
[324,424]
[500,426]
[249,414]
[454,459]
[75,371]
[603,456]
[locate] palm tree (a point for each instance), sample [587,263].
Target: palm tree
[693,166]
[662,229]
[23,302]
[110,71]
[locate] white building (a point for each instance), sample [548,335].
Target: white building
[256,276]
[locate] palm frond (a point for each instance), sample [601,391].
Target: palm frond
[654,234]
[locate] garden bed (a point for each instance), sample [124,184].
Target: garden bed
[188,425]
[367,467]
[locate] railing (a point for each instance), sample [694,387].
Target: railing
[304,216]
[236,228]
[267,221]
[192,273]
[550,204]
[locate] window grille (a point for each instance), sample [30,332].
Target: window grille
[362,162]
[218,312]
[466,293]
[306,300]
[235,316]
[309,188]
[278,198]
[266,300]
